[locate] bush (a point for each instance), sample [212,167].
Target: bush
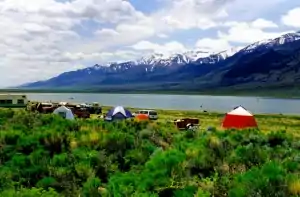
[45,155]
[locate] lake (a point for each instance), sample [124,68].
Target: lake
[178,102]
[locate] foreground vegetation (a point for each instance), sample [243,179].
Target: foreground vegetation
[44,155]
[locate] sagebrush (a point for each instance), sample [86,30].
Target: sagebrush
[45,155]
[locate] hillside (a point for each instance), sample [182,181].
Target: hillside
[267,63]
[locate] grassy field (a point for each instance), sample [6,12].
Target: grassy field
[267,122]
[43,155]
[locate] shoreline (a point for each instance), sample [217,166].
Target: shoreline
[189,93]
[189,111]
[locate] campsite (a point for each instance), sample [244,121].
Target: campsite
[150,98]
[45,154]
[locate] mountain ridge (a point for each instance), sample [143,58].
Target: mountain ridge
[191,68]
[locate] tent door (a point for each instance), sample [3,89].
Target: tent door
[62,114]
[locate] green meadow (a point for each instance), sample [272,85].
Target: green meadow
[43,155]
[266,122]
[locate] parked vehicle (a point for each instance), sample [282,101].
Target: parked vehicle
[45,108]
[93,108]
[81,112]
[187,123]
[13,100]
[153,115]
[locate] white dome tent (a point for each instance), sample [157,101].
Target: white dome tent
[64,112]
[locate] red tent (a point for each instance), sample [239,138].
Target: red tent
[239,118]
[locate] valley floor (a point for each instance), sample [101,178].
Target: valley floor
[45,155]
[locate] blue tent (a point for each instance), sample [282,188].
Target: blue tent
[118,113]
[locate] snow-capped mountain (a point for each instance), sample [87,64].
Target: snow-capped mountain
[194,64]
[269,43]
[185,58]
[156,60]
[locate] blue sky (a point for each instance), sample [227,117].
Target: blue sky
[44,38]
[147,6]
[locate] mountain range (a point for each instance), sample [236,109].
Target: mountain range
[266,63]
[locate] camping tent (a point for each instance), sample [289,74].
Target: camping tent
[239,118]
[64,112]
[118,113]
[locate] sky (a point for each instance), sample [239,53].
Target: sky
[40,39]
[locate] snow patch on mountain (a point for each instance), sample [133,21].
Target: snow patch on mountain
[229,53]
[268,43]
[197,54]
[185,58]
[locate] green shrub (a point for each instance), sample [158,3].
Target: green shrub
[45,155]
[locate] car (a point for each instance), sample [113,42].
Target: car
[187,123]
[151,113]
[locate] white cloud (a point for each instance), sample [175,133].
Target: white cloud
[242,33]
[250,9]
[292,18]
[167,48]
[38,38]
[122,34]
[212,45]
[178,14]
[248,32]
[162,35]
[262,23]
[186,14]
[119,55]
[41,37]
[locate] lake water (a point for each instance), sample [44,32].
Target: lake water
[178,102]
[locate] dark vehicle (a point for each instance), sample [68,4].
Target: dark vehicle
[45,108]
[93,108]
[187,123]
[81,112]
